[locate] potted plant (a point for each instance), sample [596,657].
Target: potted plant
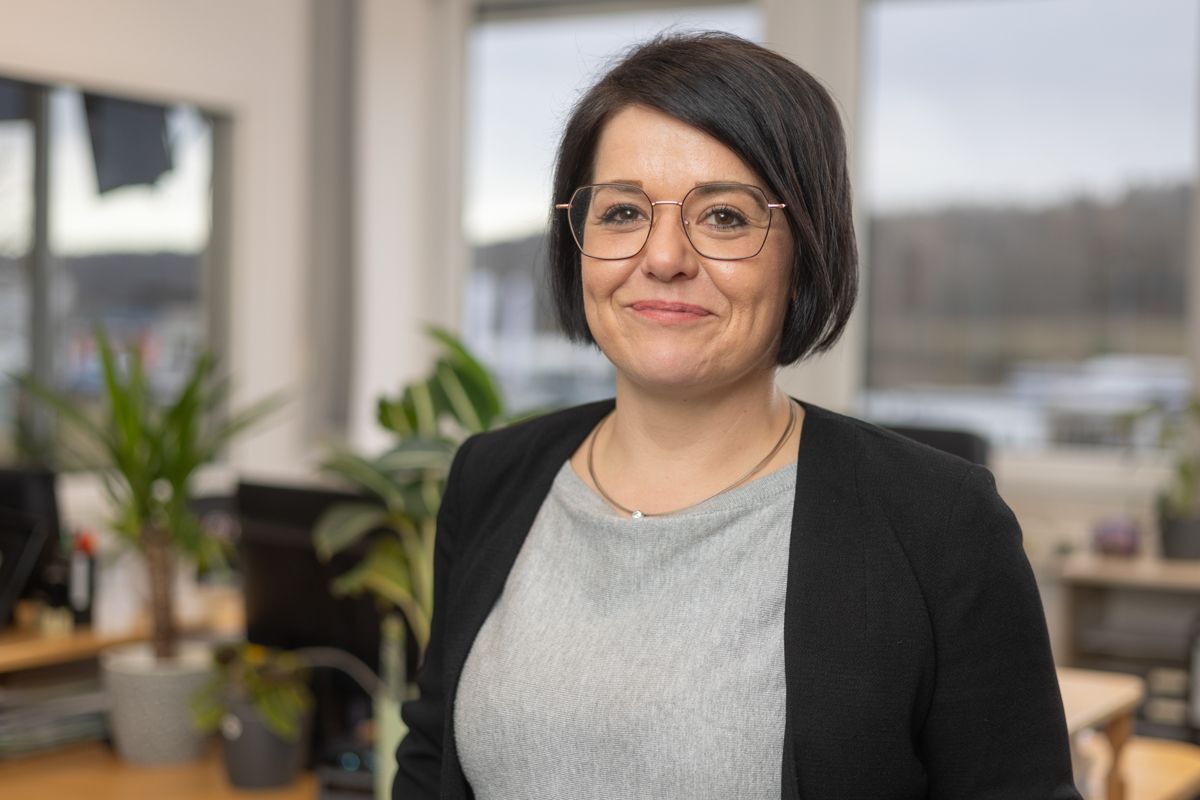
[146,449]
[429,419]
[259,701]
[1179,503]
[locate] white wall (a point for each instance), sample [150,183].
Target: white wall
[410,250]
[822,36]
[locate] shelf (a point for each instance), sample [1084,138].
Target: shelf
[21,650]
[1158,574]
[25,650]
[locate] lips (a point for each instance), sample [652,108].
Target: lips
[663,311]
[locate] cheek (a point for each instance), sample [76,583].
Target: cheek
[601,279]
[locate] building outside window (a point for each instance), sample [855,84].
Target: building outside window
[1028,170]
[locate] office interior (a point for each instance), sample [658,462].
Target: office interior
[338,175]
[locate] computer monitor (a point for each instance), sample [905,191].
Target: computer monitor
[22,538]
[288,598]
[289,602]
[31,491]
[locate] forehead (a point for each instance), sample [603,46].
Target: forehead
[657,151]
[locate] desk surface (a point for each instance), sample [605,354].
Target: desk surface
[1092,699]
[21,650]
[93,771]
[1132,572]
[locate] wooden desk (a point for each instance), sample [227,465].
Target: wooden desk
[1105,701]
[23,650]
[93,771]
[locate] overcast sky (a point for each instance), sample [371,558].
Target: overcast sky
[1026,100]
[1020,101]
[964,100]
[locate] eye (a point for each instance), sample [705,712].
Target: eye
[723,218]
[622,214]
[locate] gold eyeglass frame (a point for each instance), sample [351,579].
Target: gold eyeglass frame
[682,220]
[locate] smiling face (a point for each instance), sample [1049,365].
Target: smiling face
[669,318]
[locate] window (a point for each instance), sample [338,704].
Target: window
[16,234]
[1028,174]
[127,206]
[523,77]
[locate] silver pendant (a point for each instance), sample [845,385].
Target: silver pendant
[636,515]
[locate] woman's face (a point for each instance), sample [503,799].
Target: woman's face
[669,318]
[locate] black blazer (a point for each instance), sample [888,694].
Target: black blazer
[916,658]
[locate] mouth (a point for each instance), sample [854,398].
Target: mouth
[670,313]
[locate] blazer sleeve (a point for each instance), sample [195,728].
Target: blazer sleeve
[995,727]
[419,756]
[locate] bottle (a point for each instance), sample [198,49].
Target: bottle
[83,577]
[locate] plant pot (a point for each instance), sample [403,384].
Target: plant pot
[150,712]
[255,756]
[1180,536]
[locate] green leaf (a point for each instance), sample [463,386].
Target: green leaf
[461,403]
[366,474]
[486,395]
[391,416]
[345,524]
[424,408]
[419,453]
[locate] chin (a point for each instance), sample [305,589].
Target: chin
[670,370]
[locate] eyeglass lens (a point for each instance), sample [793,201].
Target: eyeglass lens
[727,221]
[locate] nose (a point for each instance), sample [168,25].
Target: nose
[668,254]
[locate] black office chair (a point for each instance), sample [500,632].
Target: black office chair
[964,444]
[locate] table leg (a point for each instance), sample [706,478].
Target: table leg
[1118,732]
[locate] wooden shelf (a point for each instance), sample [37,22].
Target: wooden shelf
[1157,574]
[24,650]
[93,771]
[20,650]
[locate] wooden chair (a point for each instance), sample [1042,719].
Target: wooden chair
[1154,769]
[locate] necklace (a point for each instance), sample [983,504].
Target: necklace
[635,514]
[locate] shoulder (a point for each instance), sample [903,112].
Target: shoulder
[883,462]
[528,450]
[921,493]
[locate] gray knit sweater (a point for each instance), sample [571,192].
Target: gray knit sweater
[629,658]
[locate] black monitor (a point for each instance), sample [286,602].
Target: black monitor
[287,587]
[22,538]
[31,491]
[288,599]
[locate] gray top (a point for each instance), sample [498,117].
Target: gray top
[634,658]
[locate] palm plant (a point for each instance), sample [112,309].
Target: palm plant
[429,419]
[146,453]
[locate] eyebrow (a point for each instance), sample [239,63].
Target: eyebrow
[638,183]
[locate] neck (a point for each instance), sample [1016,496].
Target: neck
[703,424]
[660,453]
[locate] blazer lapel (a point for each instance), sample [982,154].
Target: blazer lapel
[823,618]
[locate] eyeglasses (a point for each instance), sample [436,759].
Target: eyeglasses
[723,221]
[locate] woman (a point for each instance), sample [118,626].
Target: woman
[706,589]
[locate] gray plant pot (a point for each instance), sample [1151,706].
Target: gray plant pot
[255,757]
[150,714]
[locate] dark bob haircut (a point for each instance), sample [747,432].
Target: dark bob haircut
[772,114]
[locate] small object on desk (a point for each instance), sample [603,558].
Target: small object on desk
[55,621]
[1116,535]
[81,585]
